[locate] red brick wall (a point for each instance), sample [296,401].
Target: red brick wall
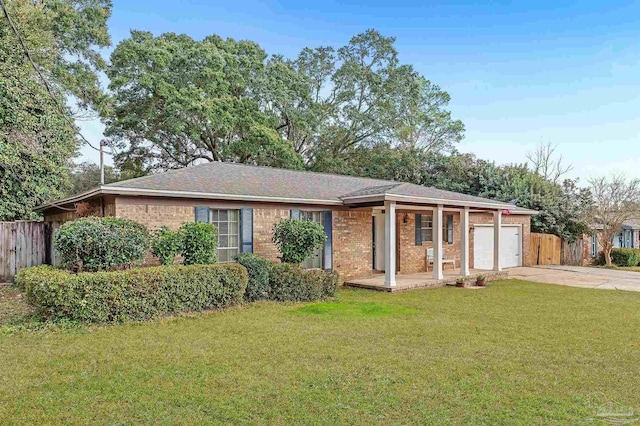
[155,216]
[263,221]
[352,244]
[413,257]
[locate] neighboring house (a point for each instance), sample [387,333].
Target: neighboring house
[371,225]
[629,237]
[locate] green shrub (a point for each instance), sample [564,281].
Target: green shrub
[258,269]
[289,282]
[32,274]
[199,243]
[625,256]
[134,294]
[166,245]
[296,239]
[101,243]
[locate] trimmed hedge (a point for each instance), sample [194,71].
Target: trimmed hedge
[622,257]
[101,243]
[135,294]
[258,269]
[292,283]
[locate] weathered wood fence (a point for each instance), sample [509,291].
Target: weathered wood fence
[575,253]
[546,249]
[24,244]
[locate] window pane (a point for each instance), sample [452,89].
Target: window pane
[234,228]
[223,241]
[223,255]
[427,221]
[223,228]
[224,215]
[214,215]
[233,241]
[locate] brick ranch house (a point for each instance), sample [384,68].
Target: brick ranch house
[371,225]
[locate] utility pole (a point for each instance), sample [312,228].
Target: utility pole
[103,142]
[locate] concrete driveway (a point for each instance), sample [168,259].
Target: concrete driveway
[578,276]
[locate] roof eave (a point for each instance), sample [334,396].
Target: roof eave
[72,199]
[433,201]
[113,190]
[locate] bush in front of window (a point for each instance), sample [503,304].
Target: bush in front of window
[258,269]
[297,239]
[101,243]
[166,245]
[199,243]
[133,294]
[289,282]
[622,257]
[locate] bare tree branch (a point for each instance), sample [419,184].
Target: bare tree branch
[545,164]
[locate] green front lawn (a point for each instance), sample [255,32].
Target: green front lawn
[516,352]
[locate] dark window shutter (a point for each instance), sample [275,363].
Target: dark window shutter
[295,214]
[246,230]
[202,213]
[327,220]
[418,229]
[450,229]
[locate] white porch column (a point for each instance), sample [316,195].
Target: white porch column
[464,242]
[437,243]
[497,228]
[390,243]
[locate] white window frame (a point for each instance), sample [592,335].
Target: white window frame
[234,249]
[426,224]
[429,227]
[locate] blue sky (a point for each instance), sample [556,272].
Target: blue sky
[518,73]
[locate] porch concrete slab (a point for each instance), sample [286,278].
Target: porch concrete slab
[579,276]
[421,280]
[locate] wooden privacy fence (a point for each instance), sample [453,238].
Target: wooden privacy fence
[24,244]
[545,249]
[574,253]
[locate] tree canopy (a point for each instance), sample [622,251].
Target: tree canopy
[37,134]
[178,101]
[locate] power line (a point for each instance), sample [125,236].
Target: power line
[44,80]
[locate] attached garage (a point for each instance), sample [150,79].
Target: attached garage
[510,248]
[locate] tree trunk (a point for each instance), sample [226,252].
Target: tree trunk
[607,256]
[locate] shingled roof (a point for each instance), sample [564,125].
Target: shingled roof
[247,182]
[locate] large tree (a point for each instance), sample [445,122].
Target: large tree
[37,134]
[361,95]
[178,101]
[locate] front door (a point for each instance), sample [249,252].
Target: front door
[378,242]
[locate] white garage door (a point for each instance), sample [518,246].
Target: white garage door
[483,247]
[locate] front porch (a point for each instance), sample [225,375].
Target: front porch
[422,280]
